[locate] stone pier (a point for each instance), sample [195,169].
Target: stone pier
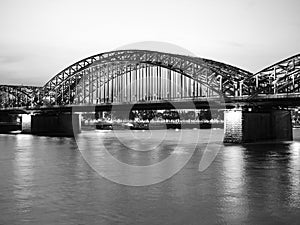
[268,125]
[53,125]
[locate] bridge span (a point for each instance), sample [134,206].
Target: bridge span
[152,80]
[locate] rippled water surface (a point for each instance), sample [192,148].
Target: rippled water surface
[48,180]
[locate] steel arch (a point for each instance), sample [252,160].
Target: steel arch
[280,78]
[218,77]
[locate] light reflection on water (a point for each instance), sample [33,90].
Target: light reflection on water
[45,180]
[24,173]
[294,175]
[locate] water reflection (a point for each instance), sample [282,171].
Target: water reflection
[268,180]
[24,173]
[47,181]
[294,174]
[134,166]
[235,203]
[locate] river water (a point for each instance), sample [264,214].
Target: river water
[50,180]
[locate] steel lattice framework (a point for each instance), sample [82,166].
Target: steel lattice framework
[15,96]
[84,81]
[142,75]
[280,78]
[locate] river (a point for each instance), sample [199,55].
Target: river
[51,180]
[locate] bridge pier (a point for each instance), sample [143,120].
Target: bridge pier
[268,125]
[51,124]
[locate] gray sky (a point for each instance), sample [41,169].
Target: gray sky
[39,38]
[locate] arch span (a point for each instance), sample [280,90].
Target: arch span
[282,77]
[83,81]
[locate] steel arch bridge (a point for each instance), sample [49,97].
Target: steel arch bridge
[147,76]
[140,75]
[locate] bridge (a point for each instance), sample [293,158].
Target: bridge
[156,80]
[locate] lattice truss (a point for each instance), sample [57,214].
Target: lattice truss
[280,78]
[16,96]
[140,75]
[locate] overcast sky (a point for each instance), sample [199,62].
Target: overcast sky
[39,38]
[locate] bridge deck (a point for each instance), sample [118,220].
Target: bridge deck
[284,100]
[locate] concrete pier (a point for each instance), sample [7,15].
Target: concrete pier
[53,125]
[269,125]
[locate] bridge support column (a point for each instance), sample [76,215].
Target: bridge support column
[47,124]
[269,125]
